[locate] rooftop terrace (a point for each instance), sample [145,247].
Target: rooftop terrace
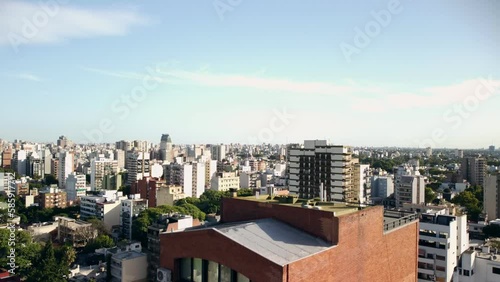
[337,208]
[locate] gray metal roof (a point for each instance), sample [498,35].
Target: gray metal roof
[274,240]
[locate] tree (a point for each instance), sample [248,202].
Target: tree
[4,216]
[429,195]
[472,200]
[47,268]
[67,255]
[101,241]
[50,179]
[98,225]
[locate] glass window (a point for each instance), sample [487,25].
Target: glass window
[225,273]
[496,270]
[186,269]
[213,271]
[197,270]
[242,278]
[466,273]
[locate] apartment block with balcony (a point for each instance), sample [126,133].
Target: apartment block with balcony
[105,207]
[474,170]
[100,168]
[316,163]
[442,241]
[130,209]
[225,181]
[52,197]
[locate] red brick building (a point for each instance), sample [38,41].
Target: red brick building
[266,241]
[147,188]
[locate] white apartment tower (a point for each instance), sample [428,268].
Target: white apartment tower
[442,241]
[199,171]
[66,167]
[409,187]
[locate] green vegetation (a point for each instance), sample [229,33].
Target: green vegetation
[472,200]
[46,267]
[101,241]
[430,195]
[147,217]
[386,163]
[209,202]
[33,214]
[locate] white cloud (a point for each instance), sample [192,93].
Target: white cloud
[362,97]
[431,96]
[34,23]
[26,76]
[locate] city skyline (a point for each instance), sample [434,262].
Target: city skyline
[213,74]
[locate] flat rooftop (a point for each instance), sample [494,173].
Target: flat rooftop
[338,208]
[274,240]
[128,255]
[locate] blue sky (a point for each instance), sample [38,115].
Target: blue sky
[221,70]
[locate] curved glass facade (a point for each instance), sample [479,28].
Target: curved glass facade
[201,270]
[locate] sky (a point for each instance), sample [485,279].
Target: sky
[384,73]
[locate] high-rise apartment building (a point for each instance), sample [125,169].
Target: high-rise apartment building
[7,158]
[123,145]
[166,152]
[66,167]
[199,171]
[76,186]
[474,170]
[491,196]
[210,172]
[138,166]
[442,241]
[180,174]
[20,162]
[218,152]
[317,164]
[100,168]
[409,187]
[130,209]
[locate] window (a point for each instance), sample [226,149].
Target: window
[440,257]
[186,269]
[496,270]
[466,273]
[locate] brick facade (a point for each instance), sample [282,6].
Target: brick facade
[360,252]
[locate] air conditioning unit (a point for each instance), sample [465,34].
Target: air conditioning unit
[163,275]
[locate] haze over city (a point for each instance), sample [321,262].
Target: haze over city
[364,74]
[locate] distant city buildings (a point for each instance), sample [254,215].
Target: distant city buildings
[409,186]
[474,170]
